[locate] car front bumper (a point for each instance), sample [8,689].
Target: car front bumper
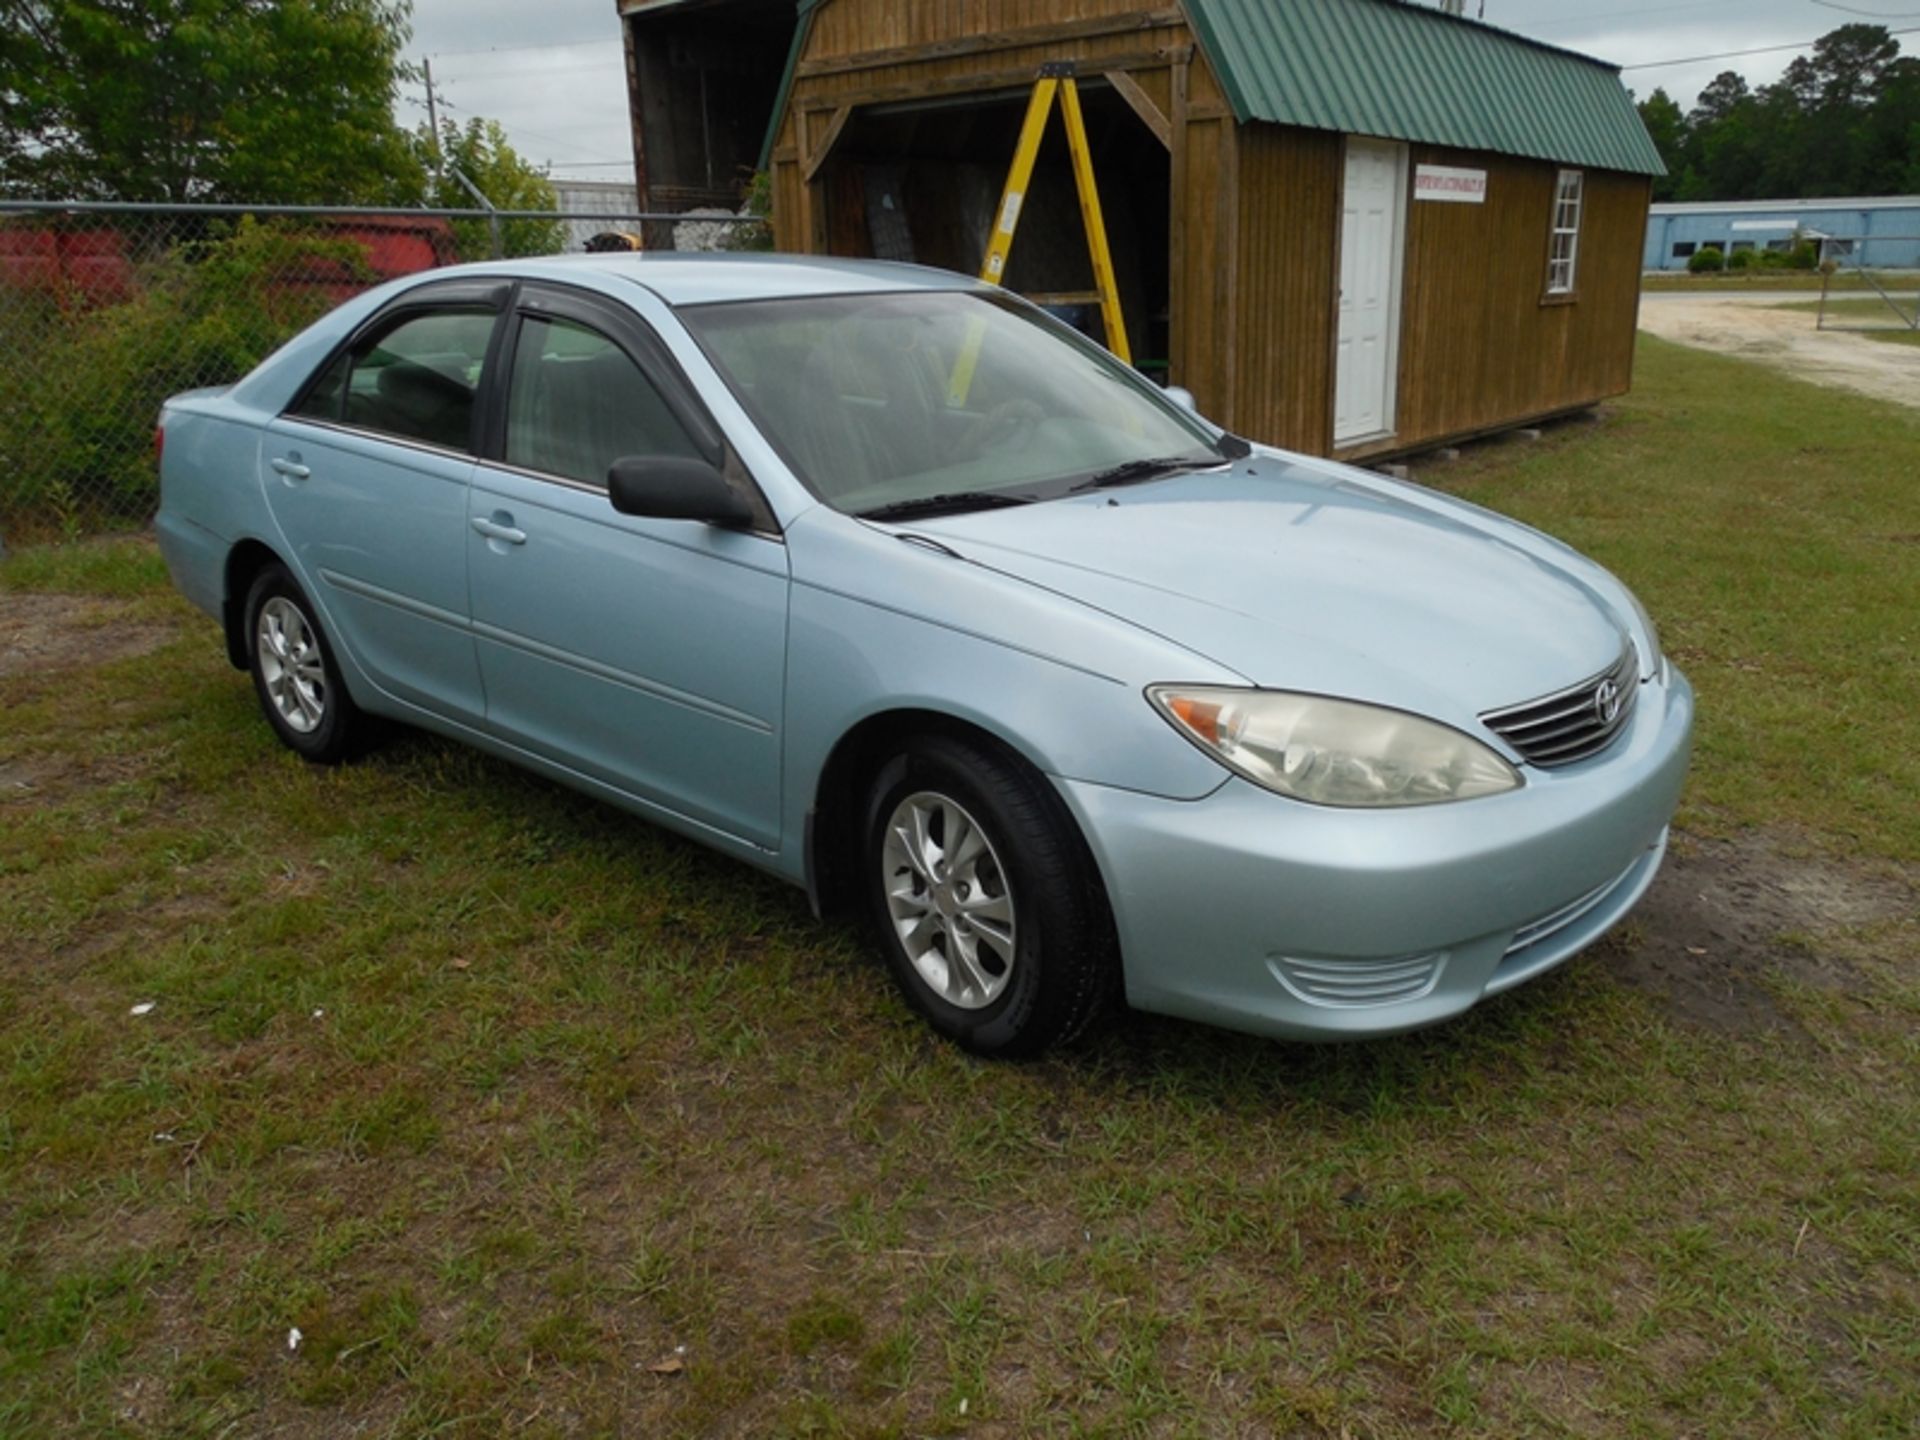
[1259,913]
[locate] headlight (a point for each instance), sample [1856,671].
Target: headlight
[1334,752]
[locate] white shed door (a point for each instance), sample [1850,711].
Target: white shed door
[1372,236]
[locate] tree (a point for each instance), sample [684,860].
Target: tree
[480,152]
[1847,64]
[263,101]
[1724,95]
[1842,120]
[1668,128]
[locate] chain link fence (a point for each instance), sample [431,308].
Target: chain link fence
[107,310]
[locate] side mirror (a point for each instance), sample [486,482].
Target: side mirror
[672,487]
[1182,397]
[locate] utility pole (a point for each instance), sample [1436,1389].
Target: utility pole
[433,112]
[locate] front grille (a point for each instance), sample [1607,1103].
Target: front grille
[1358,982]
[1572,724]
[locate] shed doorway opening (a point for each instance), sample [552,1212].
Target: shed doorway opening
[1373,218]
[921,182]
[706,74]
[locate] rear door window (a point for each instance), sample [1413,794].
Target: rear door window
[416,379]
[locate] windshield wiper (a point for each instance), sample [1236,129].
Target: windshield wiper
[1135,471]
[952,502]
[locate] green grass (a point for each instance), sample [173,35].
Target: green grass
[1874,312]
[533,1119]
[1773,530]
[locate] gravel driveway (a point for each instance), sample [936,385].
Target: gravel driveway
[1747,326]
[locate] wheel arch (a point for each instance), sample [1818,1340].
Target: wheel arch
[245,561]
[832,838]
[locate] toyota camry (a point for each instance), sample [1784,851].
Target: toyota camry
[885,582]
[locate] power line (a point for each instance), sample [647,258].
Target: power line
[514,49]
[1869,14]
[1591,18]
[1736,54]
[607,62]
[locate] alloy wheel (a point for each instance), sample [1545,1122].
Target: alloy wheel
[292,667]
[948,899]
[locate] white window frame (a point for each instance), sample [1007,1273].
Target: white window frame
[1563,243]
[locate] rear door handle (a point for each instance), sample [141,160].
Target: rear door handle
[292,469]
[497,530]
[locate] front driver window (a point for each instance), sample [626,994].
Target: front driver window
[577,403]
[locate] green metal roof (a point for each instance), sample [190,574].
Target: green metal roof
[1411,72]
[1398,70]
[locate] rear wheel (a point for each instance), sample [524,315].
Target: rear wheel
[294,673]
[985,899]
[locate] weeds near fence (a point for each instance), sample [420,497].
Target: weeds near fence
[76,429]
[104,313]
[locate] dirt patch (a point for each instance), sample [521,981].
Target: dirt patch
[57,632]
[1726,914]
[1787,340]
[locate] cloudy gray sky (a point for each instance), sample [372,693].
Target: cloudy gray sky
[553,73]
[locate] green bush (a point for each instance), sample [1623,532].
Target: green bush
[1708,258]
[1804,256]
[76,431]
[759,202]
[1741,260]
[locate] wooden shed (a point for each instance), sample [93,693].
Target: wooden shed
[1350,227]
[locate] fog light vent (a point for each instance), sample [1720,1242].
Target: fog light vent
[1359,982]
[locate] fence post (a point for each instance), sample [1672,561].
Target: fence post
[493,215]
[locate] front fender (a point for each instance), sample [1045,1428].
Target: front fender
[881,623]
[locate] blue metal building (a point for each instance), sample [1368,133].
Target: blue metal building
[1883,231]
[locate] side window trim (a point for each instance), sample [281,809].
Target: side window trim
[494,295]
[544,300]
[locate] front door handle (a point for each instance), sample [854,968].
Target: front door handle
[499,529]
[292,468]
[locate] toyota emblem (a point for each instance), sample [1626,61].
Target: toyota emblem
[1606,702]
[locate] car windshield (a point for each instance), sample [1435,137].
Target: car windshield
[885,402]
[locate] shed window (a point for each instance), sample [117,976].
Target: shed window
[1564,250]
[1683,249]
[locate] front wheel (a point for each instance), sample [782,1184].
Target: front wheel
[986,900]
[294,673]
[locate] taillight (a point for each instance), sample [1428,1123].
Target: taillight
[159,444]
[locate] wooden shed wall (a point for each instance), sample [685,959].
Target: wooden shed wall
[1481,345]
[1289,220]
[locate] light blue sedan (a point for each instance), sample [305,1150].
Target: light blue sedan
[884,582]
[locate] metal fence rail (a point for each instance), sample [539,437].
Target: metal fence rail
[1863,296]
[107,309]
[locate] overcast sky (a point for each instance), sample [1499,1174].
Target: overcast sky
[554,75]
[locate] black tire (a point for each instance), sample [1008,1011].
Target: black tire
[330,735]
[1064,970]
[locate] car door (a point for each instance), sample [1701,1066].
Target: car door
[648,654]
[366,476]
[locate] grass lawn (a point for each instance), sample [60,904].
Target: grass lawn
[533,1119]
[1867,312]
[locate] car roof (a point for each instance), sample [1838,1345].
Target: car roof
[694,279]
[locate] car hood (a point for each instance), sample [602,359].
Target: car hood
[1310,576]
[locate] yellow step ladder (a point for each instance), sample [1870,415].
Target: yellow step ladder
[1057,80]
